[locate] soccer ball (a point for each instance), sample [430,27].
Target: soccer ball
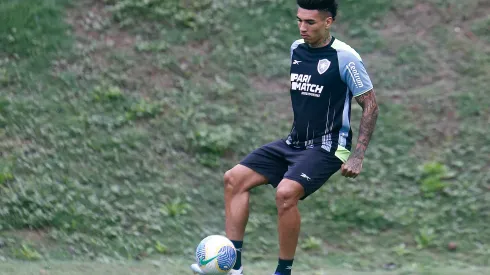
[215,255]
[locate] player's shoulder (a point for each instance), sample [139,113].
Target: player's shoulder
[344,50]
[296,43]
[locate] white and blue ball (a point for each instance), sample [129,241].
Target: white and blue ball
[215,255]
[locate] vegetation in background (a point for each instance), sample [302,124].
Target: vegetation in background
[119,117]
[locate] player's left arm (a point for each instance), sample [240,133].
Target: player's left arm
[352,168]
[355,76]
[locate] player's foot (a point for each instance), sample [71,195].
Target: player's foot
[236,272]
[196,269]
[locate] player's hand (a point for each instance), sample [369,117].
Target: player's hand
[352,168]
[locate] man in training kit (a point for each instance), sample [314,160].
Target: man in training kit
[325,75]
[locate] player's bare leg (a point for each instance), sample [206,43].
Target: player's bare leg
[238,183]
[288,194]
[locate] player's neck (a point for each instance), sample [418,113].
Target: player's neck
[323,42]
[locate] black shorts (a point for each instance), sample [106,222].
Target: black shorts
[310,167]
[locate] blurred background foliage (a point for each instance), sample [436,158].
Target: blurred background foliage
[118,119]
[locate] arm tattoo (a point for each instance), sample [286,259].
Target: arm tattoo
[368,122]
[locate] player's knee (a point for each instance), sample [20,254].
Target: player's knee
[286,198]
[231,182]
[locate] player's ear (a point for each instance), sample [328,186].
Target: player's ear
[328,22]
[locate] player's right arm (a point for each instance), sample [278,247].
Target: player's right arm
[295,45]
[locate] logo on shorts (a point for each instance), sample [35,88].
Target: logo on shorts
[305,176]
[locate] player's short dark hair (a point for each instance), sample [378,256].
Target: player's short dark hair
[321,5]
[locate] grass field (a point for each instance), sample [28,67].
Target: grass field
[172,266]
[118,119]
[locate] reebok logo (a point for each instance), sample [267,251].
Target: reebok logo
[305,176]
[296,62]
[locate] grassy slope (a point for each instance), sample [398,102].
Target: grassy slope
[117,146]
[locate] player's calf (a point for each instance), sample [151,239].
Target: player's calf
[237,183]
[288,195]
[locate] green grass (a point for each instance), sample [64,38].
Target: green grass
[178,266]
[480,30]
[111,150]
[32,34]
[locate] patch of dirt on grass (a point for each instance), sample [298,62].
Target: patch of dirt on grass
[31,236]
[274,94]
[93,29]
[273,86]
[417,20]
[93,22]
[7,145]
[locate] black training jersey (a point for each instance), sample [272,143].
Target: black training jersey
[323,82]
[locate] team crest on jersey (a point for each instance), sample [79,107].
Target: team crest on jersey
[323,65]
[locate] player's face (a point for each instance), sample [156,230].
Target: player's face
[313,25]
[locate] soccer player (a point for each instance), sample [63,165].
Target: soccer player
[325,75]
